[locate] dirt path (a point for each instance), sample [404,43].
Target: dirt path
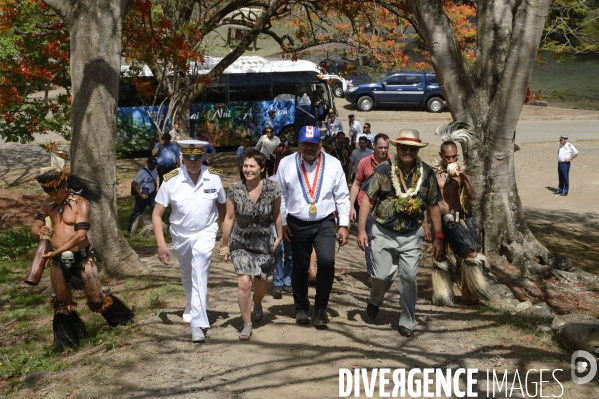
[288,361]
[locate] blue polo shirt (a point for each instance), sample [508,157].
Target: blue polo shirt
[168,154]
[208,149]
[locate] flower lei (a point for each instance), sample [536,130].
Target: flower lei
[407,203]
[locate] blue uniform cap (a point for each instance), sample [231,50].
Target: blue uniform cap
[309,134]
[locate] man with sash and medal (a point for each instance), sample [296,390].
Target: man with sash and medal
[401,190]
[313,188]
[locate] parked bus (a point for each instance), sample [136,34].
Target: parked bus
[235,106]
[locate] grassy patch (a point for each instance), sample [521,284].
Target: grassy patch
[15,243]
[568,84]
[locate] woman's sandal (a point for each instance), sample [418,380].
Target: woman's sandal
[246,333]
[258,313]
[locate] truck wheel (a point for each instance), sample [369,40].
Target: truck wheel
[365,104]
[338,90]
[435,104]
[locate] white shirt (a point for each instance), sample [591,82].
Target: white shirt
[565,151]
[370,136]
[334,195]
[146,178]
[355,128]
[194,206]
[267,146]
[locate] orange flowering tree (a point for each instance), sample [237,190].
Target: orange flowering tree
[34,58]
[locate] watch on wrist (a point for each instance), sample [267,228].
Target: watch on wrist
[344,227]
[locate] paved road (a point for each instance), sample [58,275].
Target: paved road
[14,155]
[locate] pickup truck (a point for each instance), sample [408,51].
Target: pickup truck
[401,88]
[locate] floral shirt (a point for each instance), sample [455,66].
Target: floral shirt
[379,189]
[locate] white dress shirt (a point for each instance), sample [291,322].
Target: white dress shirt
[334,194]
[565,151]
[355,128]
[193,206]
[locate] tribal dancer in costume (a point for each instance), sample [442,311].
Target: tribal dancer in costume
[73,258]
[458,225]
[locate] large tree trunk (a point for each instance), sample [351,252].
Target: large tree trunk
[95,28]
[489,96]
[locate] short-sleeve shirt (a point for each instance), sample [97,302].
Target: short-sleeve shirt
[146,178]
[565,151]
[267,146]
[380,190]
[168,153]
[365,169]
[208,150]
[357,155]
[193,206]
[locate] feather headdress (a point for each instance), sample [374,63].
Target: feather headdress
[458,132]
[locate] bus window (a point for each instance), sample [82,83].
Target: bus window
[250,87]
[215,94]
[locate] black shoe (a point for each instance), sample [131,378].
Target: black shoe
[558,192]
[372,310]
[564,194]
[277,293]
[302,317]
[287,289]
[405,332]
[320,318]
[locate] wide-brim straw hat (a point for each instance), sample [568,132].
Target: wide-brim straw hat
[408,137]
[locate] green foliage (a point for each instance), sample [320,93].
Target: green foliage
[572,27]
[16,242]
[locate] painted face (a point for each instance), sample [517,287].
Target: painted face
[251,169]
[59,195]
[448,154]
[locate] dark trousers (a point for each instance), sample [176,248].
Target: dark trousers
[163,170]
[563,172]
[140,207]
[321,235]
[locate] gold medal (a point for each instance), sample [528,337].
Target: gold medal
[312,209]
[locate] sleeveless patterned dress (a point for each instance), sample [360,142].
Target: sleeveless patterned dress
[252,237]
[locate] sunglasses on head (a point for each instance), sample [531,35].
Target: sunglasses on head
[405,147]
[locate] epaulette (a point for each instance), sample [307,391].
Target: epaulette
[170,174]
[216,171]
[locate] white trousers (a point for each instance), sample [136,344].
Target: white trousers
[194,250]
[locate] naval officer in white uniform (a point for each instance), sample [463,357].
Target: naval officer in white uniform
[197,197]
[313,188]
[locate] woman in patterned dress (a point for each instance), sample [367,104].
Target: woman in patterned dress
[253,205]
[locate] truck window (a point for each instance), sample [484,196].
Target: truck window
[394,81]
[432,79]
[413,80]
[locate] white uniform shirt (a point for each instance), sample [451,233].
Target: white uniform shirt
[146,178]
[355,128]
[193,206]
[334,195]
[565,151]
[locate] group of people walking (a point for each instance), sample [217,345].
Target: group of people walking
[308,206]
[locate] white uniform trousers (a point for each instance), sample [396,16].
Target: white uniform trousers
[194,250]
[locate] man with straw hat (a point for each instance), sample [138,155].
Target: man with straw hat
[197,197]
[401,189]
